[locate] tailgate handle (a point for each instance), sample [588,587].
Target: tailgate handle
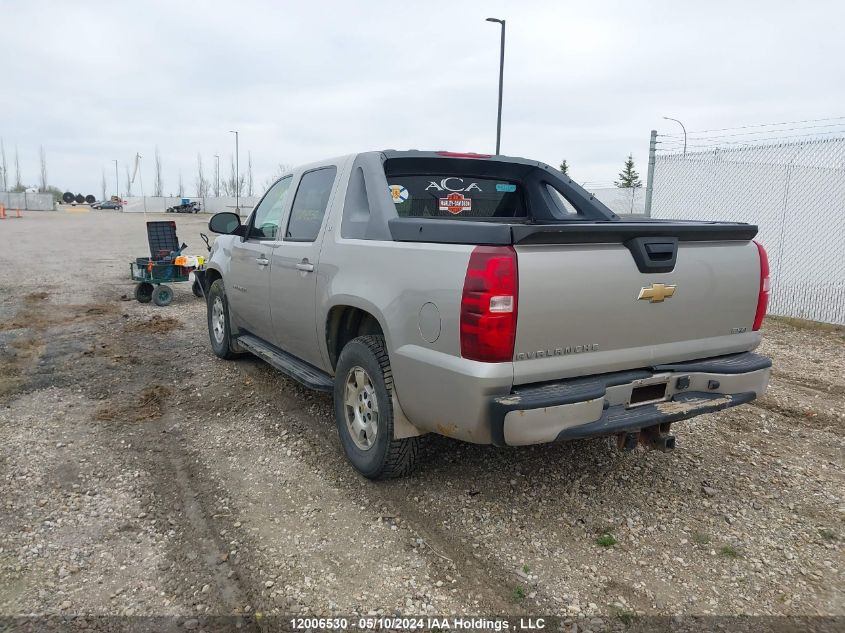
[654,254]
[660,251]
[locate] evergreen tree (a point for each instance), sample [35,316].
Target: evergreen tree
[564,167]
[628,177]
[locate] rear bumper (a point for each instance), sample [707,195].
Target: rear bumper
[600,405]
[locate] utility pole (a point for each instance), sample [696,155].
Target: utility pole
[141,180]
[501,85]
[237,175]
[116,182]
[649,185]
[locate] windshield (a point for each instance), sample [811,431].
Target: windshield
[458,197]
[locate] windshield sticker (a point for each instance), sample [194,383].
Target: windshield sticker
[453,183]
[506,187]
[455,203]
[398,193]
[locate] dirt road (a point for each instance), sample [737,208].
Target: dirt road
[141,475]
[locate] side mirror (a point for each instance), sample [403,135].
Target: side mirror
[225,223]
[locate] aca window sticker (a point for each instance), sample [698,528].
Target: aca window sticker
[455,203]
[398,193]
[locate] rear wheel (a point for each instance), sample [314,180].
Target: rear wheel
[219,328]
[195,288]
[364,411]
[163,295]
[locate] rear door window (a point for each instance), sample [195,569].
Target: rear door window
[309,205]
[456,197]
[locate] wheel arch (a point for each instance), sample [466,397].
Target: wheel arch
[347,320]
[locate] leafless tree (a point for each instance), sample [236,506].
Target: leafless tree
[18,184]
[158,185]
[280,170]
[202,183]
[43,157]
[249,174]
[128,181]
[103,186]
[3,165]
[234,183]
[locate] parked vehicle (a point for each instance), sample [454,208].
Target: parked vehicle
[107,204]
[187,207]
[488,299]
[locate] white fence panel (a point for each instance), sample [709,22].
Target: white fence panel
[622,200]
[159,204]
[795,193]
[28,201]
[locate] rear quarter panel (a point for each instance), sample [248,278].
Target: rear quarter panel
[438,390]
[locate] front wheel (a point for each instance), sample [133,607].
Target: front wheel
[144,292]
[364,411]
[219,328]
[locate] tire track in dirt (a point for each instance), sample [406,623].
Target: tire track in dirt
[177,489]
[479,576]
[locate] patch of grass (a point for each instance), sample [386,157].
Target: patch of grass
[728,551]
[518,593]
[700,538]
[804,324]
[828,535]
[526,569]
[606,540]
[626,617]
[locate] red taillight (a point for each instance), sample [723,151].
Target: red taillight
[763,297]
[463,155]
[488,305]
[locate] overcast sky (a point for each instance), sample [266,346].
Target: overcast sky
[585,81]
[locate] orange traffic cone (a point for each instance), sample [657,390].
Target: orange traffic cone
[18,213]
[2,212]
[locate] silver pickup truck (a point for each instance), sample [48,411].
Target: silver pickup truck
[486,298]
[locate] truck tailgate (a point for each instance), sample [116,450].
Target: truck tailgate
[579,310]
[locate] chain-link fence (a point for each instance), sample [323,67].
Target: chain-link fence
[795,193]
[622,200]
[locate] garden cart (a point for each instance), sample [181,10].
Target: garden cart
[164,266]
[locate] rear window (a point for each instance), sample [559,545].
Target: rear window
[458,197]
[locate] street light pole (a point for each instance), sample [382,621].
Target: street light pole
[668,118]
[237,175]
[116,185]
[217,177]
[501,84]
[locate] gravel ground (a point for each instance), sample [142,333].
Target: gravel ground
[140,475]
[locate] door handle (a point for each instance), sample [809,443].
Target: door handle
[262,261]
[305,266]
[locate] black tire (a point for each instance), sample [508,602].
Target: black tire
[195,288]
[163,295]
[386,457]
[223,346]
[144,292]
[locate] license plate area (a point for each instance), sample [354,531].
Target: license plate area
[647,394]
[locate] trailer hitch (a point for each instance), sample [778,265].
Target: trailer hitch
[659,438]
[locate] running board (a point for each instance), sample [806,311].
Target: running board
[289,365]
